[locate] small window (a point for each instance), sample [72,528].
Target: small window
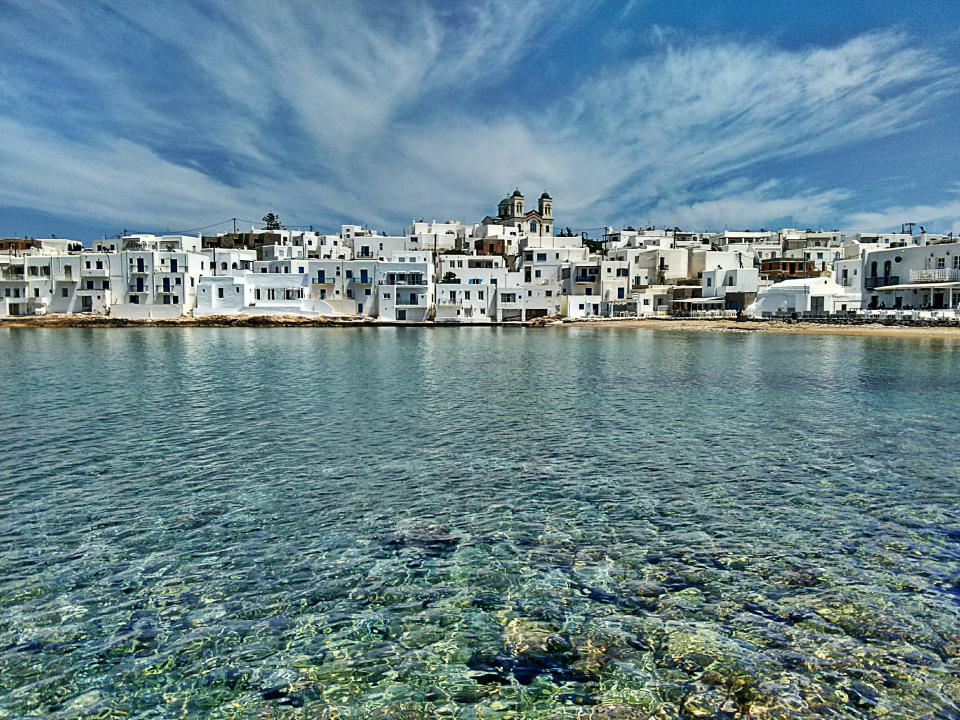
[63,292]
[219,292]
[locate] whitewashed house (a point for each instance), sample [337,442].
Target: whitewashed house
[817,295]
[913,277]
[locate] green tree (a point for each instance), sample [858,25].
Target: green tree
[449,277]
[271,221]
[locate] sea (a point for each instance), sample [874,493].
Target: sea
[478,522]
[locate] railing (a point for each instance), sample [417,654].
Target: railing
[937,275]
[869,283]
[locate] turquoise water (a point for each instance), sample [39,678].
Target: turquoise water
[478,522]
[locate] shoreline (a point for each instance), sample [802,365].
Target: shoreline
[660,324]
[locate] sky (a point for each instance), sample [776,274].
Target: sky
[172,116]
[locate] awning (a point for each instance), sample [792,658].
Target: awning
[920,286]
[700,301]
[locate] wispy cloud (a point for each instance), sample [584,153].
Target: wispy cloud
[180,115]
[944,215]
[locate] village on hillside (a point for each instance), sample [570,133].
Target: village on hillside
[514,266]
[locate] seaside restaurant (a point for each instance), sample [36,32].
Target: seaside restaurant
[916,296]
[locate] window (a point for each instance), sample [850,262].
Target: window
[223,266]
[941,263]
[99,264]
[36,292]
[63,292]
[366,291]
[105,284]
[89,284]
[466,294]
[176,299]
[256,293]
[541,257]
[219,292]
[177,281]
[709,282]
[135,299]
[537,273]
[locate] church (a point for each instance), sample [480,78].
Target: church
[535,222]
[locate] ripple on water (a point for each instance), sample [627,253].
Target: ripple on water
[415,523]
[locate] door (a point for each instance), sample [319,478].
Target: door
[166,284]
[938,301]
[139,264]
[816,304]
[359,308]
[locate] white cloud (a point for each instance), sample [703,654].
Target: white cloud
[331,112]
[943,215]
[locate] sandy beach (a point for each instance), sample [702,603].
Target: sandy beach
[772,326]
[659,324]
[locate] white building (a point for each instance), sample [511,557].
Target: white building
[912,277]
[818,295]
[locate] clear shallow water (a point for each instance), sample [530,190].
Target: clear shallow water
[478,523]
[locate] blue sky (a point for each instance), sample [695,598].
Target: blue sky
[164,115]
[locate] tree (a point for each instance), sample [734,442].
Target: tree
[271,221]
[449,277]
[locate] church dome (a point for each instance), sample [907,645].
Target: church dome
[517,193]
[546,196]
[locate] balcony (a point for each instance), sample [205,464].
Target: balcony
[938,275]
[95,272]
[412,279]
[869,283]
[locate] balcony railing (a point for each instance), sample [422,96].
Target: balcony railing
[937,275]
[869,283]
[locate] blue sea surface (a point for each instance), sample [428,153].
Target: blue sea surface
[478,523]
